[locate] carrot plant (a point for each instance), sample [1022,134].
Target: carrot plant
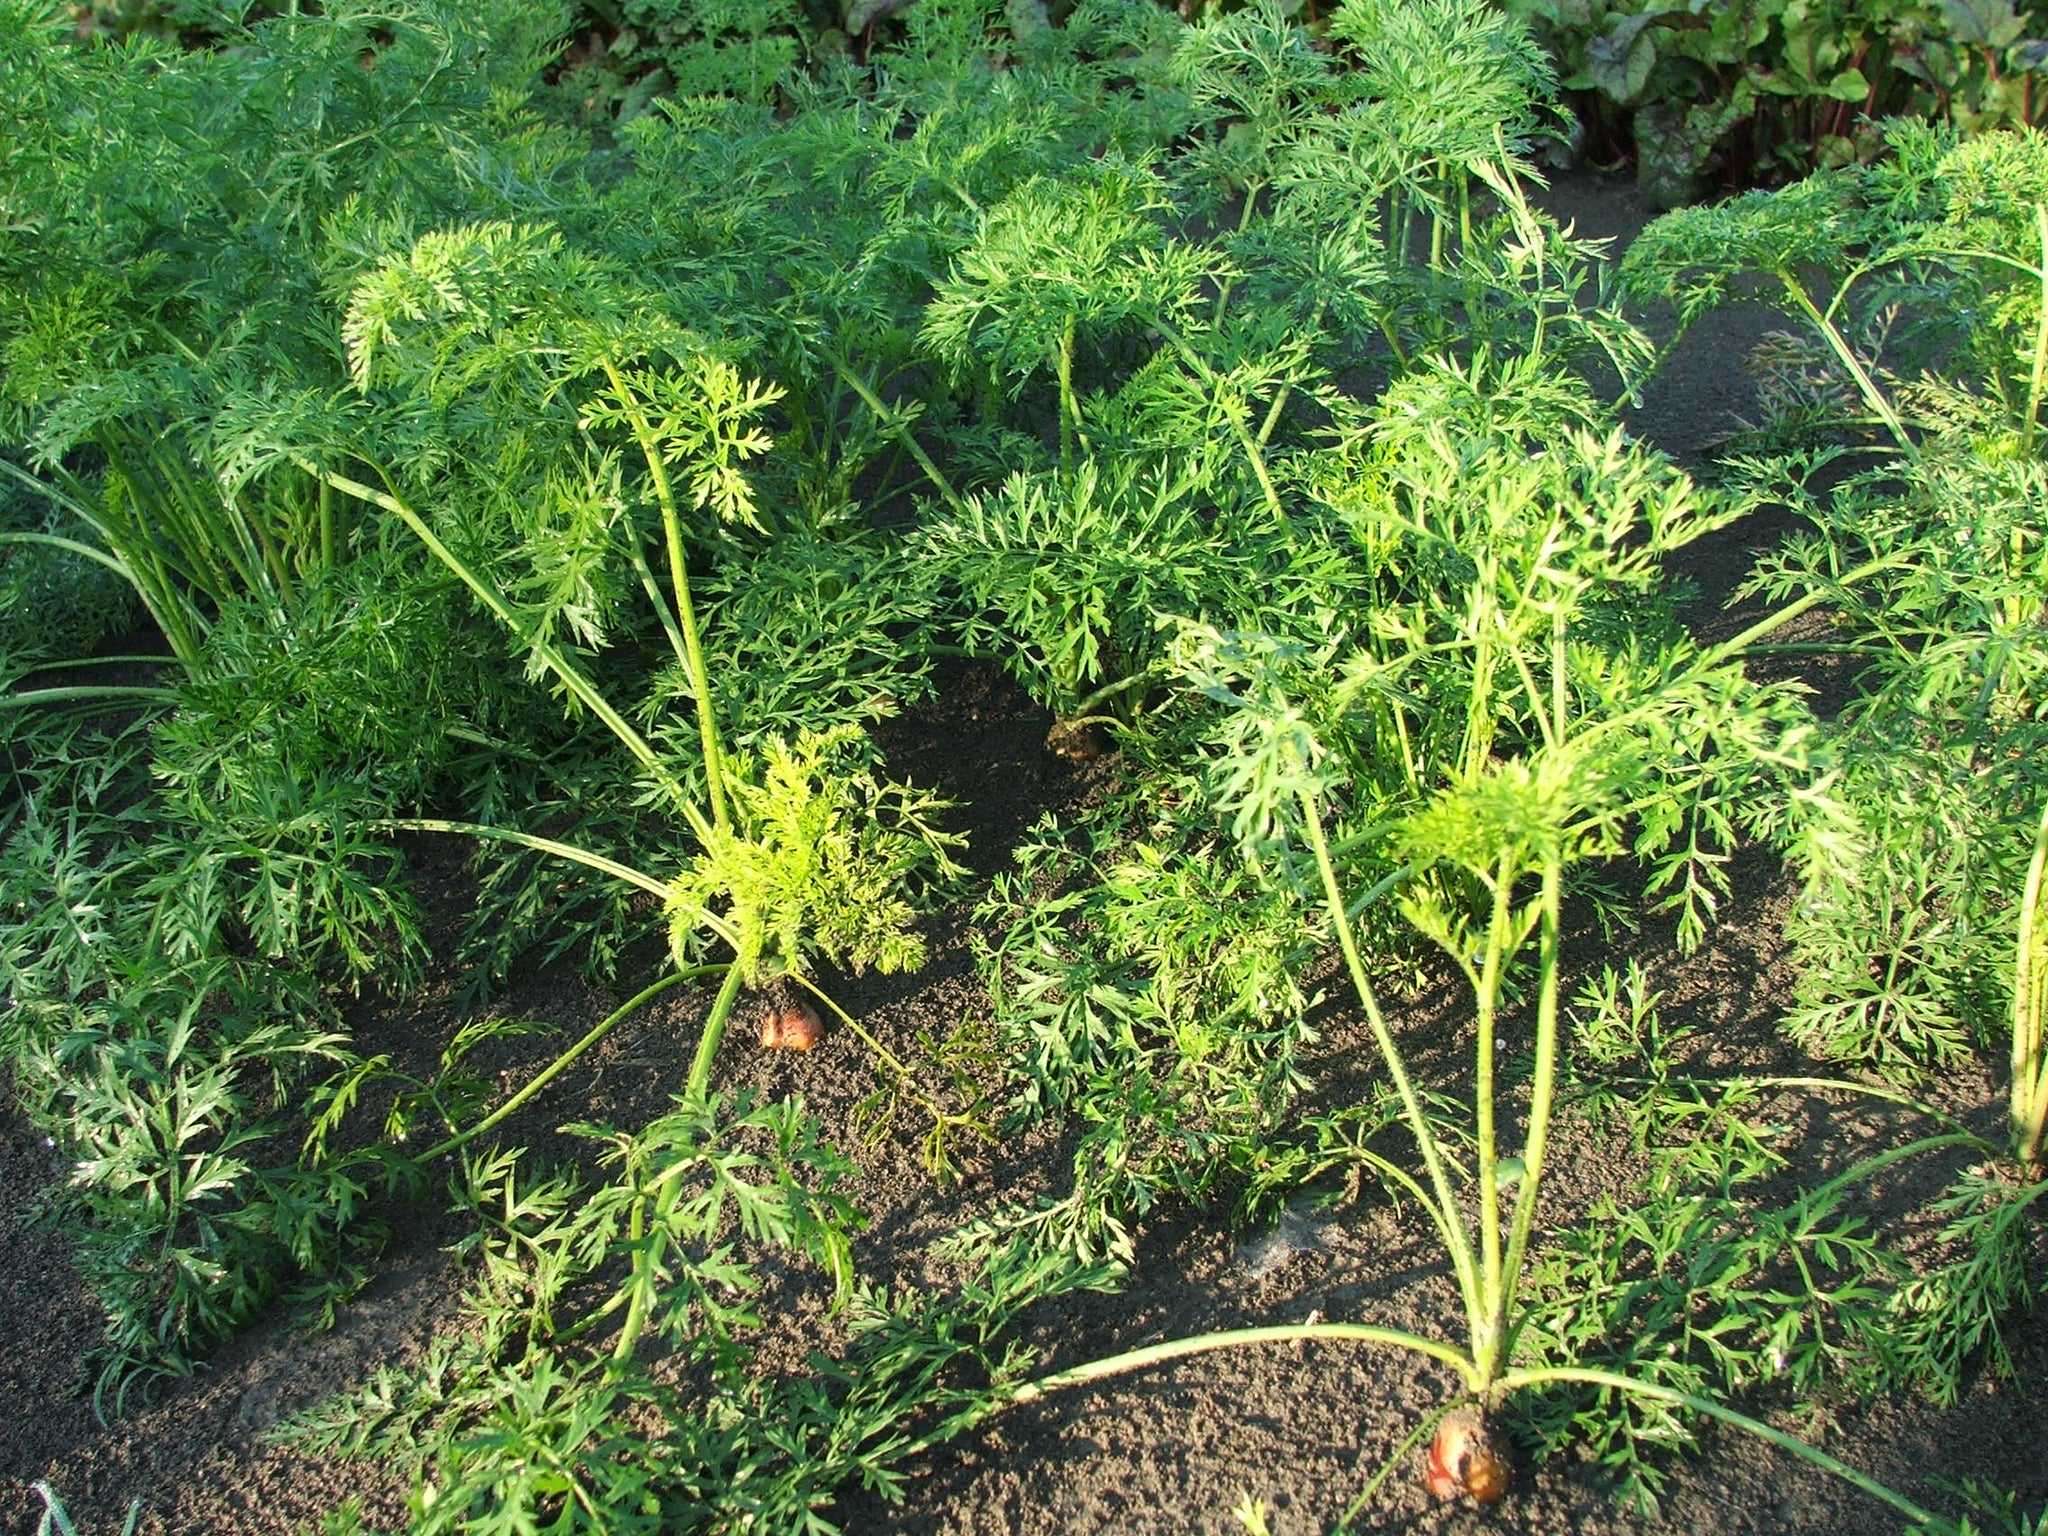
[541,1416]
[1582,737]
[327,696]
[631,426]
[168,218]
[1911,932]
[168,1085]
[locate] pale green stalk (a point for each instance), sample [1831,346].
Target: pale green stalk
[212,539]
[161,541]
[216,559]
[1109,691]
[1404,224]
[888,1057]
[1487,1324]
[1245,214]
[714,1032]
[1443,1209]
[35,696]
[2029,1093]
[58,1521]
[1479,702]
[79,663]
[2037,378]
[686,612]
[174,612]
[1543,1088]
[568,851]
[1839,345]
[57,541]
[1253,452]
[1413,1438]
[1542,1097]
[1716,654]
[1881,1091]
[653,590]
[326,494]
[1507,1385]
[699,1083]
[1181,1349]
[1070,410]
[904,435]
[941,1119]
[1280,395]
[636,1311]
[1514,1381]
[1877,1162]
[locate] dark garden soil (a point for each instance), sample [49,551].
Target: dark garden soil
[1301,1427]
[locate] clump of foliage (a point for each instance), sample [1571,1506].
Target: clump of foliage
[168,211]
[634,52]
[167,1063]
[168,1093]
[543,1412]
[1152,1000]
[810,863]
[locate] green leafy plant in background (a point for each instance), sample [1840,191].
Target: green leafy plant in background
[169,213]
[1181,383]
[1766,90]
[1227,374]
[168,1057]
[1195,479]
[647,48]
[346,734]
